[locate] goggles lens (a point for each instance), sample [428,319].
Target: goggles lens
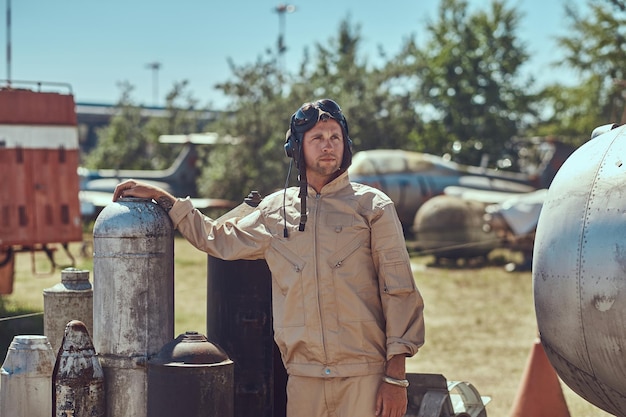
[310,113]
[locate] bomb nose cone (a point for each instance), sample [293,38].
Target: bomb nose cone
[76,358]
[76,337]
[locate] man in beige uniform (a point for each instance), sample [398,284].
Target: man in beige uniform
[346,311]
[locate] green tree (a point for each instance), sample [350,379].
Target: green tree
[131,140]
[470,89]
[258,117]
[595,48]
[264,97]
[379,113]
[123,143]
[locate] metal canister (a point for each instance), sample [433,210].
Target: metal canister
[71,299]
[133,298]
[191,377]
[78,378]
[239,318]
[26,378]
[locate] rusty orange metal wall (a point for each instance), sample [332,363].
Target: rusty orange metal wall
[39,185]
[39,205]
[34,107]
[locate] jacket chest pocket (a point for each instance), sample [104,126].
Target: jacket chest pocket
[355,283]
[287,286]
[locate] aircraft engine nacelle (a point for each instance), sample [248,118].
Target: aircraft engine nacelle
[579,272]
[451,228]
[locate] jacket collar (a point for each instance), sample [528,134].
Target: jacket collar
[338,183]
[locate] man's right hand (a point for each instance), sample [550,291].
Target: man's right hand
[132,188]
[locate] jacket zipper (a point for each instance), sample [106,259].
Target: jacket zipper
[318,197]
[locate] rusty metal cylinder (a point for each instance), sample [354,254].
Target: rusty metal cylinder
[78,379]
[133,298]
[26,378]
[191,377]
[71,299]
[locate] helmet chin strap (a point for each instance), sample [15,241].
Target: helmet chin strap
[302,195]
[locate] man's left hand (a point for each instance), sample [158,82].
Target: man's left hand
[391,400]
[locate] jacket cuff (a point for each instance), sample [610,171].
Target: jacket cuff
[399,347]
[181,208]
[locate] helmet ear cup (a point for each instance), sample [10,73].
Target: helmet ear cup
[347,154]
[292,148]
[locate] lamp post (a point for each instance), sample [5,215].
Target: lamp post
[9,42]
[155,67]
[282,9]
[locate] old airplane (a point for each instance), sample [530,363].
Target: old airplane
[579,279]
[468,224]
[412,178]
[96,186]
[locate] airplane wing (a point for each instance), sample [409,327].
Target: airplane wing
[521,212]
[206,138]
[92,203]
[482,196]
[207,203]
[495,184]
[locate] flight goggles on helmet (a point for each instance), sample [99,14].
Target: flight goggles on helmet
[310,113]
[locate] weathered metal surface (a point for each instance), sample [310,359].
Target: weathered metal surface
[26,378]
[191,377]
[70,299]
[579,272]
[133,298]
[78,378]
[431,395]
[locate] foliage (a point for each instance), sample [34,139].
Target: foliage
[379,114]
[131,140]
[469,87]
[123,143]
[459,92]
[259,119]
[595,48]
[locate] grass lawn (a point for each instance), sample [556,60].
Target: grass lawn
[480,321]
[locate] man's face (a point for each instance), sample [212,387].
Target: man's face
[323,148]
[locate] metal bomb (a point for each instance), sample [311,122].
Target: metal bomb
[133,298]
[78,378]
[579,266]
[26,378]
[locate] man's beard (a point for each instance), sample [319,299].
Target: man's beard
[323,168]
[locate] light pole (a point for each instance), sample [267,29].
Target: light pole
[9,42]
[281,9]
[155,67]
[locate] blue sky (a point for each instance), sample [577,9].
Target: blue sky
[93,45]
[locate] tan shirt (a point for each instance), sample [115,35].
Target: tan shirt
[344,297]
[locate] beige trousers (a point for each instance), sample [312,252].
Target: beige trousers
[332,397]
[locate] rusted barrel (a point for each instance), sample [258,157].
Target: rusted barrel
[191,377]
[70,299]
[78,378]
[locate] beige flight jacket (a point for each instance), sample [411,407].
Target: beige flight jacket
[344,298]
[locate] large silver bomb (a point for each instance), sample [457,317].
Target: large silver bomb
[579,272]
[133,298]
